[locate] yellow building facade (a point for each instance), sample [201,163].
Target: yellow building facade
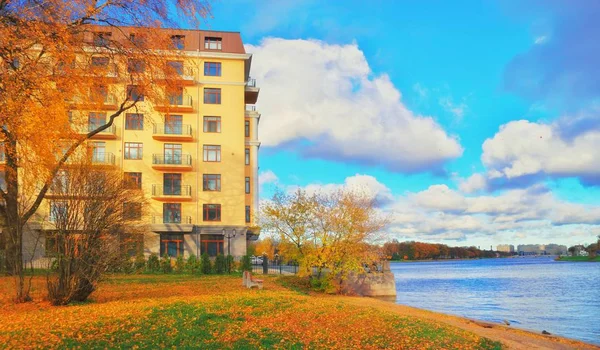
[195,157]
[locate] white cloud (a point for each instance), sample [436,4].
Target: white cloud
[327,95]
[456,109]
[267,177]
[439,213]
[540,40]
[473,183]
[522,148]
[363,184]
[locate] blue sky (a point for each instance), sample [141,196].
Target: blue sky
[472,122]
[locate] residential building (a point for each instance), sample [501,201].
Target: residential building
[506,248]
[195,157]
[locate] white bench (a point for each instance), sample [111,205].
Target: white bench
[249,281]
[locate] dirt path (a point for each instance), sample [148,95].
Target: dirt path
[513,338]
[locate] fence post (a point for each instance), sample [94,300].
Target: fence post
[265,264]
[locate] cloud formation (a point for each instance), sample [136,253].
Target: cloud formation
[325,99]
[439,213]
[522,149]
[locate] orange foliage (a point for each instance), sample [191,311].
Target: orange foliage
[312,321]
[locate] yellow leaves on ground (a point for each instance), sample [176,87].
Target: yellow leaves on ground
[215,312]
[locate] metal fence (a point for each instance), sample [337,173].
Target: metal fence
[273,267]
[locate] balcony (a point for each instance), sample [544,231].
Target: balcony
[108,72]
[251,93]
[178,162]
[182,76]
[176,104]
[103,159]
[187,220]
[172,132]
[171,193]
[109,133]
[106,102]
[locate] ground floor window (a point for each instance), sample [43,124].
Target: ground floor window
[171,244]
[132,243]
[211,244]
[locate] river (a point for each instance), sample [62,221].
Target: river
[537,294]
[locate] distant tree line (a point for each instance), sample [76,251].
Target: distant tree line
[396,250]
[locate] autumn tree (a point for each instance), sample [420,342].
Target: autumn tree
[328,231]
[266,246]
[96,219]
[61,60]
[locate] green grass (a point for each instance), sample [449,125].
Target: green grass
[579,258]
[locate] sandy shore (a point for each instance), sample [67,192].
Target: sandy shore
[513,338]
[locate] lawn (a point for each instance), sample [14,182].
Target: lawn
[579,258]
[216,312]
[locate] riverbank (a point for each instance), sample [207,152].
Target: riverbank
[578,258]
[216,312]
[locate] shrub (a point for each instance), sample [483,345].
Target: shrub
[139,262]
[230,264]
[246,265]
[192,265]
[165,264]
[206,264]
[153,263]
[220,264]
[179,264]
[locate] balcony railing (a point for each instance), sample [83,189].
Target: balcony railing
[111,130]
[181,100]
[174,159]
[173,129]
[251,108]
[176,191]
[105,158]
[171,219]
[251,82]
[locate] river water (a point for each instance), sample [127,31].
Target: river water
[537,294]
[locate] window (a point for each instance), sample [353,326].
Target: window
[247,213]
[134,121]
[137,39]
[172,213]
[172,184]
[132,211]
[99,93]
[212,96]
[212,69]
[178,42]
[51,245]
[171,244]
[211,244]
[134,93]
[247,156]
[212,212]
[247,128]
[100,61]
[99,154]
[2,152]
[173,153]
[211,182]
[131,244]
[174,124]
[175,67]
[133,180]
[212,153]
[60,183]
[136,66]
[133,150]
[175,96]
[212,124]
[58,211]
[247,185]
[102,38]
[212,43]
[96,120]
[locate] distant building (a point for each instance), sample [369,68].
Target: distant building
[541,249]
[506,248]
